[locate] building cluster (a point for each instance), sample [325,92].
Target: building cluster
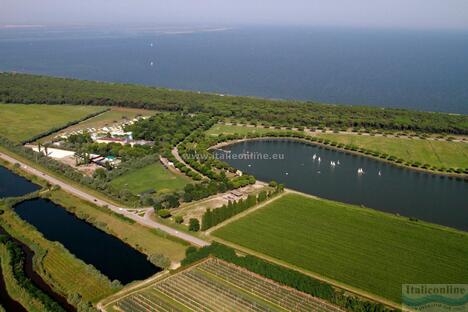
[108,134]
[111,134]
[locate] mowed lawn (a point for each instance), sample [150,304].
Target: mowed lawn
[363,248]
[19,122]
[152,177]
[434,153]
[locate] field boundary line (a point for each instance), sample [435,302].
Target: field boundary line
[125,292]
[148,283]
[260,277]
[332,282]
[245,213]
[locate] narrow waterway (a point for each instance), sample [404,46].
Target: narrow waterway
[109,255]
[12,185]
[8,303]
[381,186]
[36,279]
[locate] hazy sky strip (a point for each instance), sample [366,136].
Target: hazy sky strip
[425,14]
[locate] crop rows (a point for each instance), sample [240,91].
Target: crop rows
[286,298]
[143,302]
[215,285]
[202,294]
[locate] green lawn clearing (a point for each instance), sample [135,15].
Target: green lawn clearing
[152,177]
[363,248]
[19,122]
[434,153]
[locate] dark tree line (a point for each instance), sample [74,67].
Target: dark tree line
[213,217]
[23,88]
[285,277]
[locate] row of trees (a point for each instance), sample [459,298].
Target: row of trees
[99,184]
[208,188]
[285,276]
[24,88]
[349,147]
[213,217]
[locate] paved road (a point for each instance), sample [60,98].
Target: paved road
[120,210]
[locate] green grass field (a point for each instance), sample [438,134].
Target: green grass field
[434,153]
[151,177]
[363,248]
[19,122]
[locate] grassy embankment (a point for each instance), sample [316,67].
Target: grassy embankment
[61,177]
[152,177]
[362,248]
[19,122]
[13,288]
[434,153]
[58,267]
[146,240]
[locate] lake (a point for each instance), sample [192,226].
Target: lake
[109,255]
[424,70]
[428,197]
[13,185]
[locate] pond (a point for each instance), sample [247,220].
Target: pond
[109,255]
[12,185]
[381,186]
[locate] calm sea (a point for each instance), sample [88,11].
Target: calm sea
[425,70]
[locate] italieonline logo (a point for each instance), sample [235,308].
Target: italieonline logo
[435,297]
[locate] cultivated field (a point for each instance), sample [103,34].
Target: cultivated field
[152,177]
[19,122]
[434,153]
[366,249]
[215,285]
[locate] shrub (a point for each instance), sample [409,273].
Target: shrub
[179,219]
[164,213]
[160,260]
[194,225]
